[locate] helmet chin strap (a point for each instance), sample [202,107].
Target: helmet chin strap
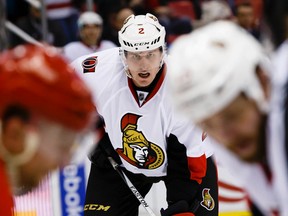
[13,161]
[163,58]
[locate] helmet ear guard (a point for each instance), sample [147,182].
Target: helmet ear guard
[123,59]
[164,53]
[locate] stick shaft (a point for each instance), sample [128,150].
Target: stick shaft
[131,186]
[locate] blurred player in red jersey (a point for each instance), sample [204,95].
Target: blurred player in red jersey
[44,106]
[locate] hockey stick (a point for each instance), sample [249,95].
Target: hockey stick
[131,186]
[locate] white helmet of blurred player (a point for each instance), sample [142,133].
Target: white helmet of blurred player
[89,18]
[212,66]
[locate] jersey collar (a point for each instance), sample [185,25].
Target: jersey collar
[152,92]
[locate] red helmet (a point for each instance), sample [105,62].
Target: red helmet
[39,79]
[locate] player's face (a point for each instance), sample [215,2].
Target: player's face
[238,128]
[143,66]
[54,150]
[90,34]
[245,16]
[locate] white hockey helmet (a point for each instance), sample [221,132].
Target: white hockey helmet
[212,66]
[89,18]
[141,33]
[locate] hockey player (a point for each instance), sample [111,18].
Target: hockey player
[220,82]
[43,106]
[90,27]
[143,134]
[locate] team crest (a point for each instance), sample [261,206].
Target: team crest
[89,64]
[137,150]
[208,201]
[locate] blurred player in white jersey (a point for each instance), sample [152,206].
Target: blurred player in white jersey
[226,90]
[90,25]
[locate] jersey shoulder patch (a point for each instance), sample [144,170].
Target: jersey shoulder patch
[89,64]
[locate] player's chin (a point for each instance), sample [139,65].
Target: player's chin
[144,82]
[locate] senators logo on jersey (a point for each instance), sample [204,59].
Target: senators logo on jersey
[137,150]
[208,201]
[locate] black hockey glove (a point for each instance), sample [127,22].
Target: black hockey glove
[180,208]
